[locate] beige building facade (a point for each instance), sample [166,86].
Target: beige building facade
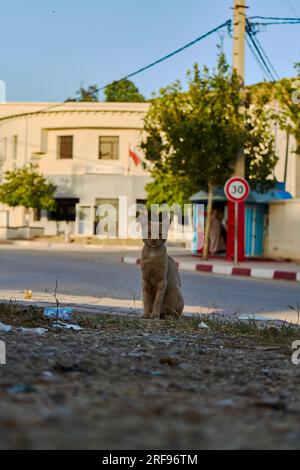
[84,148]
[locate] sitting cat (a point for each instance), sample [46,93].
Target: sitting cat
[160,278]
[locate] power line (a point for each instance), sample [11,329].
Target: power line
[276,22]
[260,54]
[168,56]
[256,56]
[273,18]
[266,57]
[261,60]
[130,75]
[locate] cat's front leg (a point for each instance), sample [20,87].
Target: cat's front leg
[159,298]
[148,301]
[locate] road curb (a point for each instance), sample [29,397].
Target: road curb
[229,270]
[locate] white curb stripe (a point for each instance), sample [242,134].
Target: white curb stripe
[187,266]
[130,260]
[259,273]
[262,273]
[220,269]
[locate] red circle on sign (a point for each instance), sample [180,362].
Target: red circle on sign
[237,189]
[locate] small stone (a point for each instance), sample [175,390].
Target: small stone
[277,405]
[203,326]
[192,416]
[169,360]
[227,402]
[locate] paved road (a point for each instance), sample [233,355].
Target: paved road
[102,275]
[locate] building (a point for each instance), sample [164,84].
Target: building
[84,149]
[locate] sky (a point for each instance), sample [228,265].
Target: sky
[50,48]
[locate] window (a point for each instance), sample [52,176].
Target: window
[36,215]
[15,146]
[109,148]
[65,210]
[65,146]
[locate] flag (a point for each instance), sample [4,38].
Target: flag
[133,154]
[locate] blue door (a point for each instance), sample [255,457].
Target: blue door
[254,229]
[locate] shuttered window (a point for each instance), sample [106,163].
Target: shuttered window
[65,146]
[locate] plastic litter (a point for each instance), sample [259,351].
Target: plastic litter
[62,313]
[203,326]
[21,388]
[66,326]
[5,328]
[8,328]
[30,331]
[27,294]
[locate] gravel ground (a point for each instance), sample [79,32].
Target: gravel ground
[127,383]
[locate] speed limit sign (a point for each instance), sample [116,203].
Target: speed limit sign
[237,189]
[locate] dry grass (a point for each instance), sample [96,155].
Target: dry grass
[32,316]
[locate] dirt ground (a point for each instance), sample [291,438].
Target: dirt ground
[129,383]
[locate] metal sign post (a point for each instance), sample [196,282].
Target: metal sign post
[236,232]
[236,190]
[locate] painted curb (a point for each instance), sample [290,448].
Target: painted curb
[258,273]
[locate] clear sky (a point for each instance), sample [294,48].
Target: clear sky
[50,47]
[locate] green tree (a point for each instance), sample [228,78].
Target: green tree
[88,95]
[27,188]
[288,95]
[123,91]
[193,137]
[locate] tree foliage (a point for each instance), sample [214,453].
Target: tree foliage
[123,91]
[288,95]
[194,136]
[88,95]
[26,187]
[284,97]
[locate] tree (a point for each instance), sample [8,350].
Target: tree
[27,188]
[193,136]
[123,91]
[88,95]
[288,95]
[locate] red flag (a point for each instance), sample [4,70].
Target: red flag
[137,160]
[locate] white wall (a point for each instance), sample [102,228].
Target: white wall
[284,229]
[85,176]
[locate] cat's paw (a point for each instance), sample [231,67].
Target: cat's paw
[147,315]
[155,315]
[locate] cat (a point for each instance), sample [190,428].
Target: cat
[160,278]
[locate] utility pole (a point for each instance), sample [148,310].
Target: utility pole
[236,211]
[239,33]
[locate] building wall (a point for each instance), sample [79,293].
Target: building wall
[284,229]
[85,176]
[88,178]
[289,162]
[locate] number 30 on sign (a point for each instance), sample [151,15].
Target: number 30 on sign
[237,189]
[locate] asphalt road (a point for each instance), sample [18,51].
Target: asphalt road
[101,274]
